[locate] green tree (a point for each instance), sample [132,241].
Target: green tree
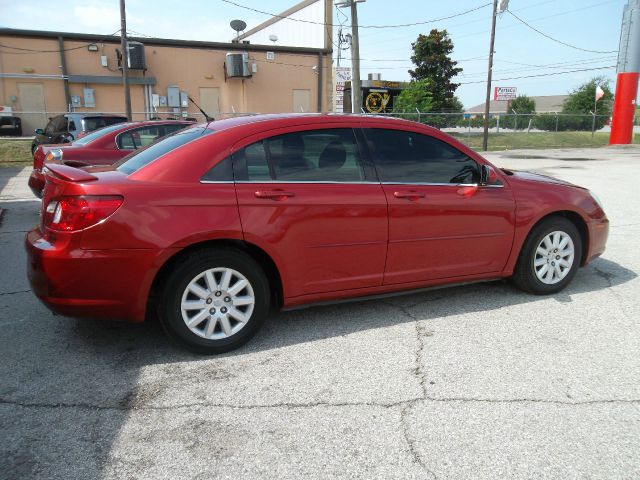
[522,105]
[581,103]
[416,96]
[432,58]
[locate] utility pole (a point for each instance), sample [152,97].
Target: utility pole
[125,59]
[356,85]
[485,136]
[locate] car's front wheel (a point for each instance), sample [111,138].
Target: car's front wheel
[550,257]
[214,301]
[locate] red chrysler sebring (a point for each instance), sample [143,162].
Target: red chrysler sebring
[102,147]
[214,226]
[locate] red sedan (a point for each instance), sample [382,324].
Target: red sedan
[101,147]
[216,225]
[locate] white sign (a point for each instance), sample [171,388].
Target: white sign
[505,93]
[342,75]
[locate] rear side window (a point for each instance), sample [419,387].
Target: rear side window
[329,155]
[93,123]
[139,137]
[135,161]
[409,157]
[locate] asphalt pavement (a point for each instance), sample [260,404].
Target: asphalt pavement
[481,381]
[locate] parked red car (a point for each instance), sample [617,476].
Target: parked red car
[101,147]
[217,224]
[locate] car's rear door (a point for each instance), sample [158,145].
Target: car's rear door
[310,199]
[441,223]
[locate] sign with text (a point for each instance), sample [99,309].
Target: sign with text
[342,75]
[505,93]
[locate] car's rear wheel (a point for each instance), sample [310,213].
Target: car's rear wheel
[550,257]
[214,301]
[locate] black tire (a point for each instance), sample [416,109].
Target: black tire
[170,313]
[525,275]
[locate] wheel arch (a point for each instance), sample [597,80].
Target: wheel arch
[575,218]
[259,255]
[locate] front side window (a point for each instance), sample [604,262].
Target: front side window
[59,124]
[49,129]
[329,155]
[409,157]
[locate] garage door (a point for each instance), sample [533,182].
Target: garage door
[31,101]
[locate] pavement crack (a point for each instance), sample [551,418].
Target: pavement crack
[632,401]
[14,293]
[411,443]
[127,404]
[131,406]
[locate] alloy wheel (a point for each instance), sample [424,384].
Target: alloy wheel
[554,257]
[217,303]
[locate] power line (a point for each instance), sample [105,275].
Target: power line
[541,75]
[555,39]
[360,26]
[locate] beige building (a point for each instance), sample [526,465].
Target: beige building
[544,104]
[45,73]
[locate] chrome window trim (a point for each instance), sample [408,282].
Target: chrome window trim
[355,183]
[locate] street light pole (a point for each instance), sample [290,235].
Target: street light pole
[125,59]
[485,136]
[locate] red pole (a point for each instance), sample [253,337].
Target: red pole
[624,108]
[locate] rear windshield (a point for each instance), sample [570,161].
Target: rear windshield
[138,159]
[93,123]
[97,134]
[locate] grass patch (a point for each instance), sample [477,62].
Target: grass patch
[510,141]
[14,153]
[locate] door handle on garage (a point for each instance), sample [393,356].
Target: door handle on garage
[274,194]
[408,194]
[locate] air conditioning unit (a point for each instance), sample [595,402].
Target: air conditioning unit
[136,56]
[237,65]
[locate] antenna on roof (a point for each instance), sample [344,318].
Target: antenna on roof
[238,26]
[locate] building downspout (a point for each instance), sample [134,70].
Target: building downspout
[320,82]
[65,74]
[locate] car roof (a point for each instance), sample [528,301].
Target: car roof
[87,114]
[285,119]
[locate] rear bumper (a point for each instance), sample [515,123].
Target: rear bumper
[90,283]
[36,183]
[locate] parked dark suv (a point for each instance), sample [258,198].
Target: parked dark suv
[70,126]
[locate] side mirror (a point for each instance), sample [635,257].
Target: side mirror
[39,131]
[488,175]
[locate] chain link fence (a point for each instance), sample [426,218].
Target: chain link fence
[506,131]
[510,131]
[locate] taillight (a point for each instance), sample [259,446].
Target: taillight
[70,214]
[53,155]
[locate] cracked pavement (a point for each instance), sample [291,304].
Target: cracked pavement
[479,381]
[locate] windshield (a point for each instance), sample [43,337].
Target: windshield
[97,134]
[138,159]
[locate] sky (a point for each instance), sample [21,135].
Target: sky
[519,51]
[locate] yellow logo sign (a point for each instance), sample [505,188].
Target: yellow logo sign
[376,102]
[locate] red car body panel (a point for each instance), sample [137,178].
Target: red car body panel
[101,151]
[327,242]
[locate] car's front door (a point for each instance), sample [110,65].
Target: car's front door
[309,199]
[440,226]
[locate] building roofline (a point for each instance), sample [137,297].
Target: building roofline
[290,11]
[90,37]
